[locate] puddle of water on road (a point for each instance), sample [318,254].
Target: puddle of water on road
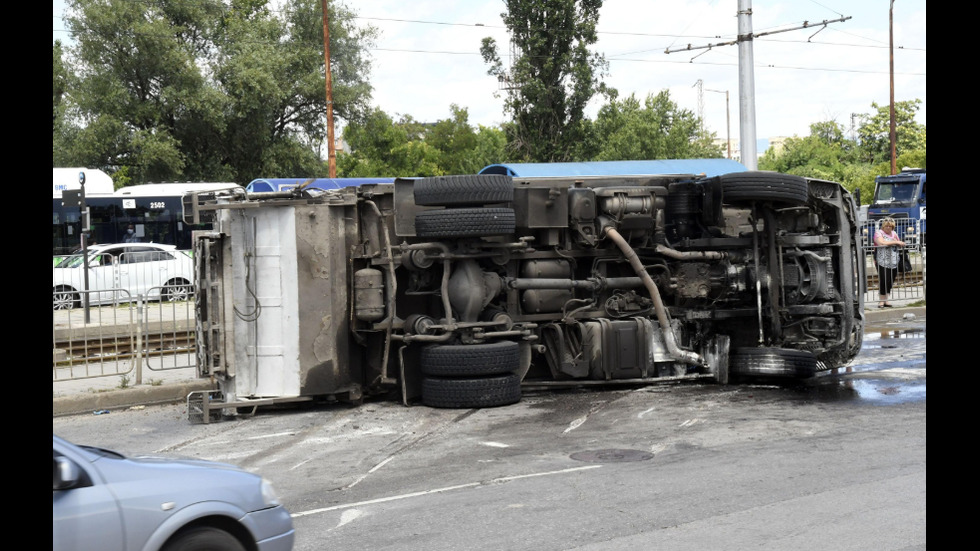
[898,382]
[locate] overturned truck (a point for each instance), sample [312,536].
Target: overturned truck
[460,291]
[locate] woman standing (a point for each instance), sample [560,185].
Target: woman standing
[887,254]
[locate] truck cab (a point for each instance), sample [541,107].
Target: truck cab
[902,197]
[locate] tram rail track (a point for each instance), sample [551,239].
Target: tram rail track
[102,348]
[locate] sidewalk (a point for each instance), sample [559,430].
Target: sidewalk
[172,386]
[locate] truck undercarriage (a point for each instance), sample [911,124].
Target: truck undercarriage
[461,290]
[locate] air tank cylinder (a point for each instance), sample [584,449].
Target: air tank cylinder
[369,294]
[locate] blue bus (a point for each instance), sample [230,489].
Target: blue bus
[154,210]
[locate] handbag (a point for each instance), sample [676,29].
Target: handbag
[904,262]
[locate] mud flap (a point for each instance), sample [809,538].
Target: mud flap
[715,354]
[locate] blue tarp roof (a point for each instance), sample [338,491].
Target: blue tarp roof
[708,167]
[282,184]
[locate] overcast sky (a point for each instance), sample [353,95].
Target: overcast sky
[427,57]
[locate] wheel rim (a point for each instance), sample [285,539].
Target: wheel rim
[174,292]
[63,300]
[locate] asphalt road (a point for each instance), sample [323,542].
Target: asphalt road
[837,463]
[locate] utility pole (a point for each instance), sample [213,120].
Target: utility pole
[728,121]
[86,225]
[746,75]
[331,154]
[746,86]
[700,86]
[891,90]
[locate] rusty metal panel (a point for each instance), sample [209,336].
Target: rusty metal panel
[541,207]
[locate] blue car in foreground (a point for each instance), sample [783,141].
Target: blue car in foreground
[106,501]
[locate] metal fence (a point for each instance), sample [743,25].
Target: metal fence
[909,286]
[132,337]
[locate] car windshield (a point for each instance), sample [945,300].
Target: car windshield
[72,261]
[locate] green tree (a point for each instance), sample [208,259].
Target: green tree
[382,147]
[553,76]
[827,154]
[657,129]
[206,90]
[874,131]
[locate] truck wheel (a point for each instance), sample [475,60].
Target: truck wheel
[775,363]
[464,222]
[471,360]
[746,187]
[464,190]
[471,393]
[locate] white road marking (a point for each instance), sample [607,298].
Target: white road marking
[348,516]
[575,424]
[438,490]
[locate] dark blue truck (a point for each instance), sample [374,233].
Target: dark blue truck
[902,197]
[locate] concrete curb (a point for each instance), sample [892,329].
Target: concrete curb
[884,315]
[88,402]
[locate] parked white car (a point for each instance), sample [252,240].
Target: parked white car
[121,272]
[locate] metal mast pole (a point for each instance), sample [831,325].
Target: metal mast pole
[746,88]
[891,92]
[728,120]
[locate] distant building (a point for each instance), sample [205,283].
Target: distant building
[762,145]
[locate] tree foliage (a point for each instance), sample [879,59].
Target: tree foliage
[205,90]
[658,129]
[553,77]
[383,147]
[874,132]
[827,154]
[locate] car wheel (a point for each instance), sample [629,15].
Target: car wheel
[773,363]
[464,222]
[177,290]
[471,393]
[746,187]
[204,538]
[463,190]
[65,298]
[471,360]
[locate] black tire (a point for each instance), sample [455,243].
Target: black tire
[471,360]
[471,393]
[204,538]
[773,363]
[464,222]
[464,190]
[66,298]
[177,290]
[745,187]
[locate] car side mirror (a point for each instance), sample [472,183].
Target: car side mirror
[65,473]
